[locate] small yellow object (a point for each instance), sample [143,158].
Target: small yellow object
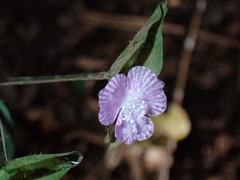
[173,124]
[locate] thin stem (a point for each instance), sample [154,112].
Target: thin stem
[189,46]
[53,79]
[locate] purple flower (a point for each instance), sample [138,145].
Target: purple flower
[129,101]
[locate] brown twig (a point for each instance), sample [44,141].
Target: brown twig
[189,46]
[89,137]
[179,92]
[218,39]
[134,23]
[164,171]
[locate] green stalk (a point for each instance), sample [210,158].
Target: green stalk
[53,79]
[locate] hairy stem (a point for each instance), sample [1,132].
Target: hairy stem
[53,79]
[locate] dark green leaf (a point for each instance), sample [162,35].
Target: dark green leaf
[54,176]
[6,135]
[41,166]
[146,48]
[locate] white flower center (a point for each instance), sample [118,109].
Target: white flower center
[133,109]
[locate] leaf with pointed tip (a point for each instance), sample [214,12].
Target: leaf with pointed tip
[146,48]
[41,166]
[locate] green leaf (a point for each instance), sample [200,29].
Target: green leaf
[41,166]
[54,176]
[6,135]
[146,48]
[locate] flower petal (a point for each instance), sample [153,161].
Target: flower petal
[147,86]
[129,131]
[145,128]
[110,99]
[123,132]
[156,100]
[142,78]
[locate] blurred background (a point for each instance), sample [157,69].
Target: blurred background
[52,37]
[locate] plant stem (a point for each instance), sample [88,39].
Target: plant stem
[53,79]
[189,47]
